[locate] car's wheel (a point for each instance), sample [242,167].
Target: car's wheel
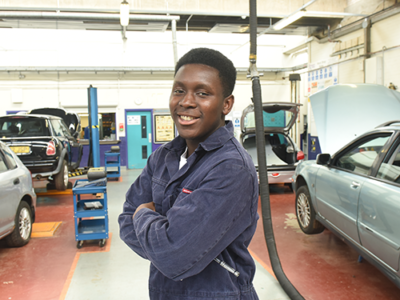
[61,179]
[23,226]
[305,212]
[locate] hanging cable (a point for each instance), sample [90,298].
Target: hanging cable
[262,161]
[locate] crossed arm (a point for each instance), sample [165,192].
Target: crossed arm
[197,228]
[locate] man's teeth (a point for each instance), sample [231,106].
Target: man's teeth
[187,118]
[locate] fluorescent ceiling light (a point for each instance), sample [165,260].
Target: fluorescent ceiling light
[327,14]
[289,20]
[124,13]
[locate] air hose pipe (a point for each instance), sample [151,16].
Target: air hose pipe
[262,161]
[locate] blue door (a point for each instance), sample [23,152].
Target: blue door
[138,130]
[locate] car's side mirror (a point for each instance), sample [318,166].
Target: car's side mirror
[290,149]
[323,159]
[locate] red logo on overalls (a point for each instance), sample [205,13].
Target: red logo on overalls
[186,191]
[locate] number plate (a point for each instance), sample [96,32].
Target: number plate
[20,149]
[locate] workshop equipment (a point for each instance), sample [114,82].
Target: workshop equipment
[90,212]
[112,159]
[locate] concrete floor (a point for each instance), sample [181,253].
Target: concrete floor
[53,268]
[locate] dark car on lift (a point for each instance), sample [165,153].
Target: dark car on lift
[282,153]
[44,144]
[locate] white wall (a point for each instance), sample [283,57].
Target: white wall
[116,96]
[385,34]
[29,48]
[351,70]
[351,66]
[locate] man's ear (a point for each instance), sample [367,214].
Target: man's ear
[228,104]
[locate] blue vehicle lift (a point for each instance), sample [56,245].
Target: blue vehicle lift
[94,136]
[91,213]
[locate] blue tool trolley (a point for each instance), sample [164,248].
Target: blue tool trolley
[90,214]
[112,159]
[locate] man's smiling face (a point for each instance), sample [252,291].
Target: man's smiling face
[197,103]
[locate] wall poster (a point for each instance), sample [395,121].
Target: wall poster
[164,129]
[322,78]
[133,120]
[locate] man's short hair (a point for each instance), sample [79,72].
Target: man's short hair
[214,59]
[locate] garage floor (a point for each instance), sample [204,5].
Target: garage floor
[320,266]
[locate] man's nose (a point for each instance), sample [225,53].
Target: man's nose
[188,100]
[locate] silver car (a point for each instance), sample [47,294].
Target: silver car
[356,195]
[17,199]
[282,153]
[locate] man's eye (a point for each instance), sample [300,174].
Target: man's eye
[202,94]
[178,92]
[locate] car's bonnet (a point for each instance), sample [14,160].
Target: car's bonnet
[344,111]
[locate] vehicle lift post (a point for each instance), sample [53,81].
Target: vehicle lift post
[92,224]
[94,138]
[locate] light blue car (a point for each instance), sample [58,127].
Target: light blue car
[355,193]
[17,199]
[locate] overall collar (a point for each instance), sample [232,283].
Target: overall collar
[214,141]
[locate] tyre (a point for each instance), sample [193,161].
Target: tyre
[23,226]
[61,179]
[305,212]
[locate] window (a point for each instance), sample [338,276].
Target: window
[280,119]
[3,166]
[65,129]
[360,158]
[106,123]
[23,127]
[59,128]
[107,126]
[390,170]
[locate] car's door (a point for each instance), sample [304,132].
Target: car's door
[9,193]
[75,147]
[69,142]
[338,185]
[379,210]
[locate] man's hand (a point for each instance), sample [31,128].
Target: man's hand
[149,205]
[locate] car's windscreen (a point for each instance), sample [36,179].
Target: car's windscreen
[23,127]
[280,119]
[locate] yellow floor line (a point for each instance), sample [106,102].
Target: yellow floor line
[55,193]
[45,229]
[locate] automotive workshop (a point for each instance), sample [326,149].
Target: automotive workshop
[94,93]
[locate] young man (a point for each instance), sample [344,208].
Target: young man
[196,199]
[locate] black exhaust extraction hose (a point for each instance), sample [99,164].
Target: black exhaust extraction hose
[262,161]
